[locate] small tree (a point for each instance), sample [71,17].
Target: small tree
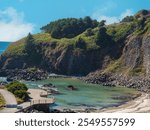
[141,23]
[88,21]
[80,43]
[128,19]
[29,44]
[100,36]
[18,89]
[33,50]
[89,32]
[102,23]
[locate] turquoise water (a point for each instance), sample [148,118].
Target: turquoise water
[3,46]
[87,95]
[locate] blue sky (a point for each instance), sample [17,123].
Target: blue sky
[19,17]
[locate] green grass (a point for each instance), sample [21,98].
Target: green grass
[143,30]
[147,27]
[119,31]
[113,67]
[137,71]
[18,48]
[42,38]
[116,66]
[2,102]
[15,50]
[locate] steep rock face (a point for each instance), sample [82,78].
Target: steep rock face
[136,59]
[125,50]
[132,53]
[67,61]
[12,62]
[146,46]
[136,54]
[75,61]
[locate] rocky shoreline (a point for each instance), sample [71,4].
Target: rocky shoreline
[24,74]
[140,83]
[28,75]
[109,80]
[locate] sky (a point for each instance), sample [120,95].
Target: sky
[19,17]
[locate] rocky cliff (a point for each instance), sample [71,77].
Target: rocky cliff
[124,54]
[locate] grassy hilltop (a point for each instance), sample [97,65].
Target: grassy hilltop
[80,46]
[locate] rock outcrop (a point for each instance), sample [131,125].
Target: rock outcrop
[124,59]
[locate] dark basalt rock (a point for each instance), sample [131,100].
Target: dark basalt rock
[50,85]
[20,74]
[72,88]
[10,79]
[139,83]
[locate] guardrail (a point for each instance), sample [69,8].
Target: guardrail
[42,101]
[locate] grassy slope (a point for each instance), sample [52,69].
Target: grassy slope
[116,66]
[117,31]
[17,48]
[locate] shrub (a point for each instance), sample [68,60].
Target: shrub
[21,94]
[18,89]
[89,32]
[102,38]
[128,19]
[69,27]
[29,44]
[80,43]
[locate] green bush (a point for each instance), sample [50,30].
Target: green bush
[29,44]
[89,32]
[69,27]
[18,89]
[128,19]
[80,43]
[102,38]
[21,94]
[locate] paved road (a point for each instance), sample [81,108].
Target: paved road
[10,101]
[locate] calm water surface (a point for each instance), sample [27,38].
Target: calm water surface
[88,95]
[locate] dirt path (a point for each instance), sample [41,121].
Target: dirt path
[10,101]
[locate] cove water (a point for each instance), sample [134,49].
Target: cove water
[3,46]
[87,95]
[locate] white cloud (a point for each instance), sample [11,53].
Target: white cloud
[109,20]
[12,25]
[105,8]
[99,15]
[128,12]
